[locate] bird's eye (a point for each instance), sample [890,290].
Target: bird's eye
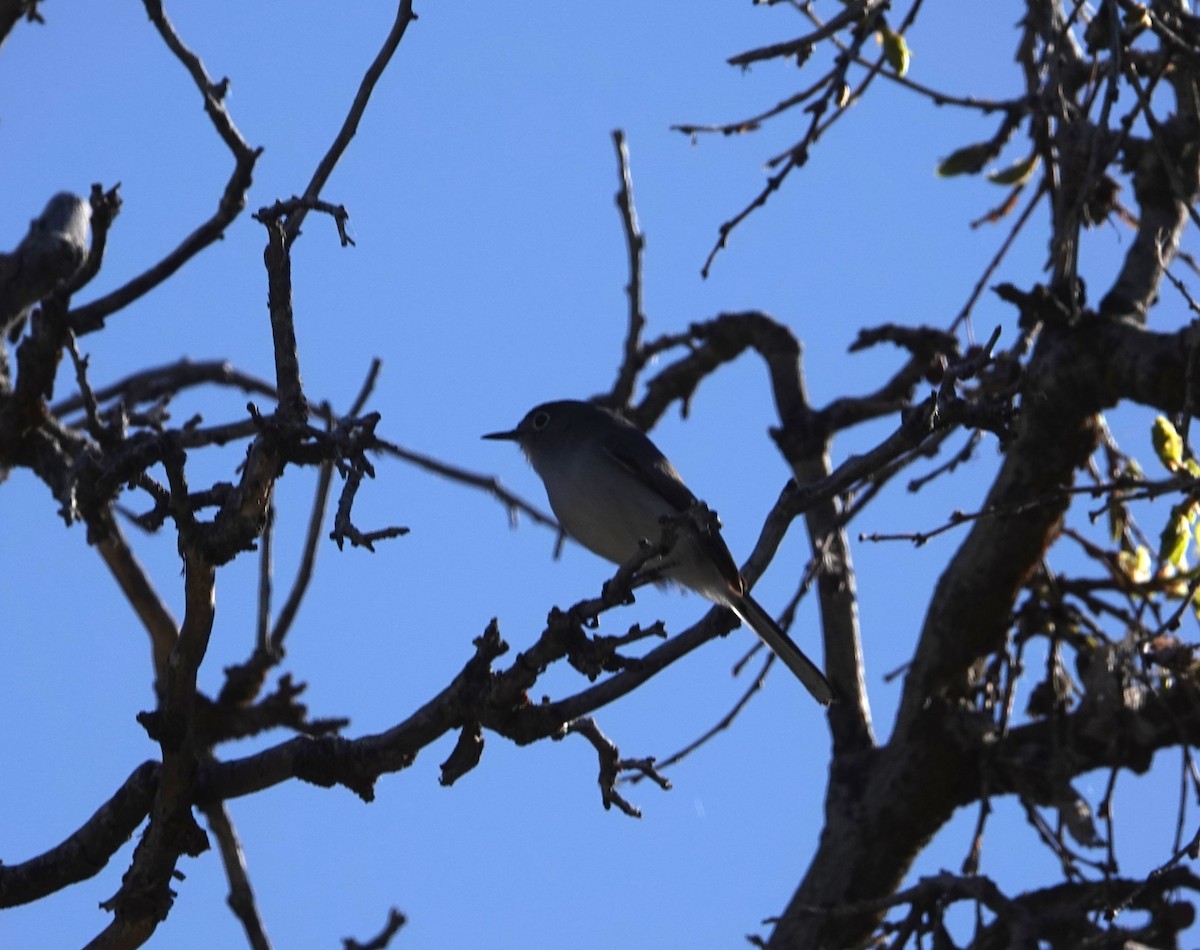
[540,420]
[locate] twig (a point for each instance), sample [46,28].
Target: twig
[95,427]
[728,227]
[364,392]
[635,243]
[105,205]
[961,456]
[262,623]
[153,384]
[344,529]
[514,504]
[90,317]
[721,725]
[404,16]
[285,210]
[854,14]
[241,895]
[958,518]
[380,941]
[142,597]
[308,559]
[998,258]
[611,766]
[751,124]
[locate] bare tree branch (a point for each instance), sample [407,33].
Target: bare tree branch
[90,317]
[404,16]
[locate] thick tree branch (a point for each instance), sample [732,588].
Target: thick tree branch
[145,896]
[88,850]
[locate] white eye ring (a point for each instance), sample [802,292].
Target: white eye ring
[540,420]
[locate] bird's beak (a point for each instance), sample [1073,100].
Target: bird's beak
[504,436]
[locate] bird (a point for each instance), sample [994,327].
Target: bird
[611,488]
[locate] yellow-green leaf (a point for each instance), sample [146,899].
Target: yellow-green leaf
[1135,564]
[1168,445]
[1177,581]
[1173,542]
[895,50]
[1017,173]
[1137,18]
[968,160]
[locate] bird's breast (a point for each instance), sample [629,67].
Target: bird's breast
[603,507]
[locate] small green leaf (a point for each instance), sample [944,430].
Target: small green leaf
[1168,445]
[968,160]
[1173,542]
[1016,174]
[895,50]
[1118,518]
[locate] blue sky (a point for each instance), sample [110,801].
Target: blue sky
[488,276]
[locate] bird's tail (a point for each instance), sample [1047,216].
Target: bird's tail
[761,622]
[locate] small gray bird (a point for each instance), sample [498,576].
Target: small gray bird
[611,488]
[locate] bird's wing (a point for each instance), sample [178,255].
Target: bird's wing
[641,458]
[627,446]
